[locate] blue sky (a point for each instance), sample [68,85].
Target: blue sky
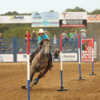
[28,6]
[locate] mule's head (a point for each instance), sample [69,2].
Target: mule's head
[46,47]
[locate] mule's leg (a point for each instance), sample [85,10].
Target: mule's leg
[42,73]
[32,72]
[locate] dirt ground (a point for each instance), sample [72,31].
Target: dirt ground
[14,75]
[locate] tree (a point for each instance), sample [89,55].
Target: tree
[12,13]
[51,11]
[97,11]
[76,9]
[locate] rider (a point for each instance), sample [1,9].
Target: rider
[40,42]
[42,36]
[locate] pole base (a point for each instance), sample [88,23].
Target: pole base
[92,73]
[24,87]
[62,89]
[81,79]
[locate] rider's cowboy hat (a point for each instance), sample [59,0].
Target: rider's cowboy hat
[41,31]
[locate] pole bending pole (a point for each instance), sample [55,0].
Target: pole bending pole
[79,53]
[92,58]
[62,88]
[28,64]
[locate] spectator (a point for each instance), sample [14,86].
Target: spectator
[46,32]
[25,37]
[0,41]
[72,34]
[76,35]
[10,49]
[83,33]
[0,37]
[75,41]
[33,36]
[56,53]
[64,37]
[54,39]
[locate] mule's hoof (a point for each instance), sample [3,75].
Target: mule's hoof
[35,81]
[24,87]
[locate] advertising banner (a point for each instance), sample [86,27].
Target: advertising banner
[86,50]
[21,57]
[45,19]
[73,23]
[73,19]
[95,50]
[69,56]
[73,15]
[6,57]
[93,18]
[15,19]
[45,15]
[45,23]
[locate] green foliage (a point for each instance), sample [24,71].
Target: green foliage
[19,30]
[76,9]
[97,11]
[12,13]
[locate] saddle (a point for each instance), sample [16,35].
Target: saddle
[34,54]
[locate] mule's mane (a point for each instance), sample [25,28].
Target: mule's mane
[46,40]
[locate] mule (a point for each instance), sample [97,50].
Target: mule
[41,63]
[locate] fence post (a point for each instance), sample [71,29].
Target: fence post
[15,45]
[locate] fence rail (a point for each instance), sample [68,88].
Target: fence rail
[17,46]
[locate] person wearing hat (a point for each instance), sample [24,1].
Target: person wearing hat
[33,36]
[41,37]
[83,33]
[72,34]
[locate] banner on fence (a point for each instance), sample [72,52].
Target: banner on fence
[95,50]
[69,56]
[86,50]
[6,57]
[93,18]
[21,57]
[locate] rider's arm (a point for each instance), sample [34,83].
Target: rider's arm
[47,37]
[39,39]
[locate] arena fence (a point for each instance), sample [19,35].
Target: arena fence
[15,49]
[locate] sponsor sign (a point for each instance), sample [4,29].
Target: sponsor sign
[21,57]
[73,23]
[45,15]
[6,57]
[15,19]
[95,49]
[45,23]
[86,50]
[73,15]
[69,56]
[93,18]
[45,19]
[73,19]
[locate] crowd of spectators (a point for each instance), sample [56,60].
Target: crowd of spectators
[72,35]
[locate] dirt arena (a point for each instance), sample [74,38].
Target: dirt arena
[14,75]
